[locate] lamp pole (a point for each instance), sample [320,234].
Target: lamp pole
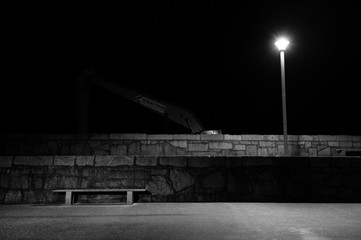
[282,44]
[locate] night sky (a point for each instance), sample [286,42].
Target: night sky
[216,58]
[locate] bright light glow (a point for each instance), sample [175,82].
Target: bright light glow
[282,43]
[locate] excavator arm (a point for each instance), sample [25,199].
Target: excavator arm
[168,110]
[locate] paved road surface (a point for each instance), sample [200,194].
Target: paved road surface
[182,221]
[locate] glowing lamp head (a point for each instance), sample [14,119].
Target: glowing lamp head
[282,44]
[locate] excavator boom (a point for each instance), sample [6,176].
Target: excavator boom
[168,110]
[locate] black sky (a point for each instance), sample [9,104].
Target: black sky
[216,58]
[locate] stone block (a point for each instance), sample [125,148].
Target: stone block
[159,186]
[312,152]
[68,182]
[267,144]
[272,151]
[134,148]
[84,160]
[252,137]
[160,137]
[118,150]
[173,161]
[128,136]
[29,196]
[99,146]
[123,160]
[13,181]
[220,145]
[251,150]
[112,161]
[37,196]
[226,152]
[33,160]
[173,151]
[12,196]
[146,160]
[240,153]
[294,150]
[262,152]
[4,181]
[198,147]
[144,174]
[23,181]
[307,144]
[156,171]
[37,183]
[121,174]
[294,138]
[346,144]
[181,179]
[154,149]
[64,160]
[186,137]
[271,137]
[6,161]
[333,144]
[356,139]
[304,152]
[179,144]
[239,147]
[232,137]
[308,138]
[324,151]
[212,137]
[98,136]
[335,138]
[335,152]
[94,144]
[138,183]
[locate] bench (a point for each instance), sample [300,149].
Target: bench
[69,196]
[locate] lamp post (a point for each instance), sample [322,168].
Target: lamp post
[282,44]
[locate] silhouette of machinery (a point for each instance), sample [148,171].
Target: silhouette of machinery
[168,110]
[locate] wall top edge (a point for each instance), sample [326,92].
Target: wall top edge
[178,156]
[143,136]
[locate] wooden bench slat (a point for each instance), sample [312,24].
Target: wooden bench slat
[69,197]
[99,190]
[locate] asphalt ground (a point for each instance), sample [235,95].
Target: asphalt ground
[182,221]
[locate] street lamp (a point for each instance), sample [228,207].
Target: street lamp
[282,44]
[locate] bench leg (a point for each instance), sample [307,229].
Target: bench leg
[130,197]
[68,198]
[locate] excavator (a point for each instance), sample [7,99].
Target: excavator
[169,111]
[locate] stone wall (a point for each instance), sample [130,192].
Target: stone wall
[176,145]
[31,179]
